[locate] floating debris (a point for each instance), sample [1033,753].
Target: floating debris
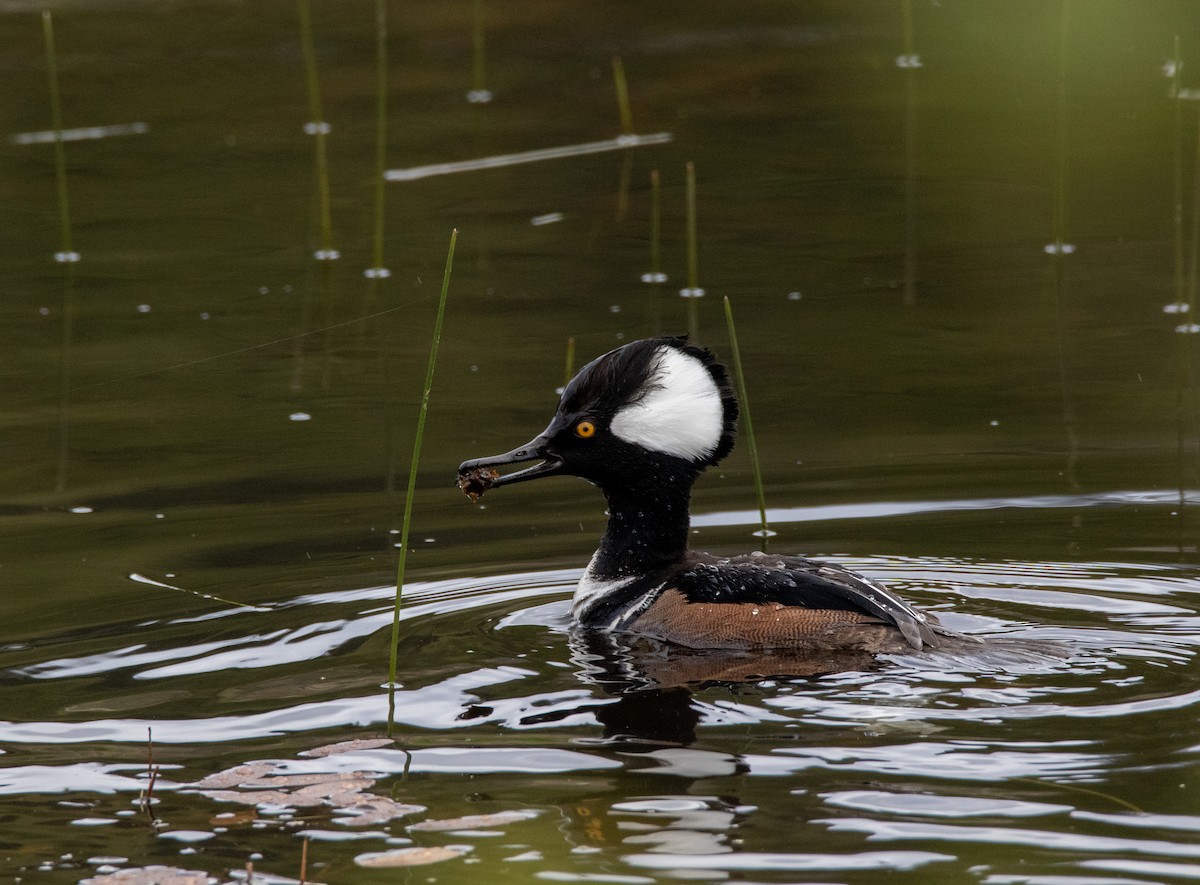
[331,789]
[153,875]
[85,133]
[548,218]
[409,857]
[500,160]
[474,821]
[232,777]
[142,579]
[347,747]
[374,810]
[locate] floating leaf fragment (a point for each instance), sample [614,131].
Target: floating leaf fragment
[233,818]
[338,789]
[232,777]
[254,797]
[347,747]
[153,875]
[374,810]
[408,857]
[334,790]
[283,781]
[475,821]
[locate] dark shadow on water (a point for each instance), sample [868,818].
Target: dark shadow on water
[653,683]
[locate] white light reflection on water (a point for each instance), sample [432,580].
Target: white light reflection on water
[95,777]
[974,761]
[435,706]
[878,509]
[752,860]
[929,805]
[890,831]
[310,640]
[81,777]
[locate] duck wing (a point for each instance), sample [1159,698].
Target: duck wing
[804,583]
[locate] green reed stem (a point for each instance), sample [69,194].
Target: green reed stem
[755,464]
[693,272]
[67,255]
[909,74]
[1190,317]
[622,95]
[478,75]
[1194,256]
[1178,169]
[412,482]
[318,125]
[1061,152]
[570,368]
[908,27]
[381,61]
[60,156]
[64,378]
[693,288]
[655,224]
[1075,788]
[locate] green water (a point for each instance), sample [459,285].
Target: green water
[1005,433]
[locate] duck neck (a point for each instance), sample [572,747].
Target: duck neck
[647,528]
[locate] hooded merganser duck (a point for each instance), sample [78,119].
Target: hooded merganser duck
[642,422]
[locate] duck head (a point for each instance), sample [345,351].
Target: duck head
[656,410]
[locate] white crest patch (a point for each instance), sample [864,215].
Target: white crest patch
[681,414]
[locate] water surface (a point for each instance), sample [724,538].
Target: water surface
[946,397]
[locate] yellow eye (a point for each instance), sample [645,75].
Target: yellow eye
[585,430]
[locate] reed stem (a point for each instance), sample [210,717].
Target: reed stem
[66,255]
[692,260]
[656,226]
[60,156]
[693,292]
[1194,256]
[381,61]
[479,93]
[1061,134]
[1176,81]
[622,95]
[412,482]
[755,464]
[909,72]
[570,367]
[319,129]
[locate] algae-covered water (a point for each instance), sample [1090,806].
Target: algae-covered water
[957,237]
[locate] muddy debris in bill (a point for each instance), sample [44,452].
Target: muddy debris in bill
[474,483]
